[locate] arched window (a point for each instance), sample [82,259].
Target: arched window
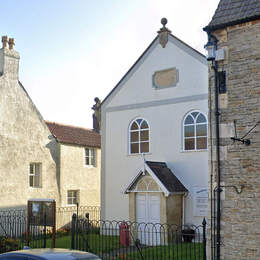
[139,136]
[195,131]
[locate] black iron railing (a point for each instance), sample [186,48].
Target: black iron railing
[131,240]
[14,233]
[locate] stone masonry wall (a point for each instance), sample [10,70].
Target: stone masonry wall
[76,176]
[240,164]
[24,139]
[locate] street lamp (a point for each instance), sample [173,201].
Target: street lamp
[211,47]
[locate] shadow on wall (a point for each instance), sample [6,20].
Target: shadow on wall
[53,146]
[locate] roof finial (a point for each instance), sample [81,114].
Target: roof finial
[164,21]
[163,33]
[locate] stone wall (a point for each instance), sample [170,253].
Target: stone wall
[76,176]
[239,164]
[24,139]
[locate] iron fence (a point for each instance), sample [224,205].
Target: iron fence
[131,240]
[14,234]
[13,231]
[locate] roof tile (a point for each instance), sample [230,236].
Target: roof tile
[74,135]
[231,12]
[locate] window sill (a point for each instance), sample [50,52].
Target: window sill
[34,187]
[193,151]
[89,166]
[138,154]
[71,205]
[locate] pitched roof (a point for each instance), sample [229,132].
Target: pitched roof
[232,12]
[74,135]
[166,176]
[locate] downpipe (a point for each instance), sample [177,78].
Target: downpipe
[217,114]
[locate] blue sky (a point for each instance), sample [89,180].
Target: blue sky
[74,50]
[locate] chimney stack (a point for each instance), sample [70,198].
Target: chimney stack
[9,59]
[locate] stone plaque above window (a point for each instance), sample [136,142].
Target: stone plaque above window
[165,78]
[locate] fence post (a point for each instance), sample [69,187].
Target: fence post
[87,230]
[73,231]
[204,239]
[44,230]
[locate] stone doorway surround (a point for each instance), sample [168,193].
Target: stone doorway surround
[158,180]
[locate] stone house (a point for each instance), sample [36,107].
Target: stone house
[154,137]
[79,162]
[41,159]
[234,169]
[27,161]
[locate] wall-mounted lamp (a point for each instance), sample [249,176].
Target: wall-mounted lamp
[211,47]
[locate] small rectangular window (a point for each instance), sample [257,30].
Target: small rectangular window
[72,197]
[35,175]
[222,82]
[90,157]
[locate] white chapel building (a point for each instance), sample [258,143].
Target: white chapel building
[154,137]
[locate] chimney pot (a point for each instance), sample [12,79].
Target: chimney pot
[11,43]
[4,41]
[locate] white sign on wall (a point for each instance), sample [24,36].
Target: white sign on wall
[200,204]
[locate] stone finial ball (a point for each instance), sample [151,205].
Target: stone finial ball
[164,21]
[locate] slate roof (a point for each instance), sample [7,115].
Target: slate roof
[166,177]
[74,135]
[232,12]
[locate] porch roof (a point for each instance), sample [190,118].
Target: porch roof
[163,176]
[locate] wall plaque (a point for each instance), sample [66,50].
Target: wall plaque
[200,203]
[165,78]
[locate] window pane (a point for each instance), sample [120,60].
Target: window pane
[202,143]
[134,126]
[70,201]
[31,181]
[37,181]
[194,114]
[31,168]
[86,151]
[189,131]
[134,136]
[139,121]
[144,125]
[93,160]
[87,160]
[145,147]
[145,135]
[201,130]
[201,119]
[189,144]
[135,148]
[189,120]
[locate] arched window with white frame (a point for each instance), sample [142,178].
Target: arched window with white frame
[139,136]
[195,131]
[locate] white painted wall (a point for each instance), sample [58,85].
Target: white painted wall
[165,120]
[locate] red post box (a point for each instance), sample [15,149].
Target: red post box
[124,234]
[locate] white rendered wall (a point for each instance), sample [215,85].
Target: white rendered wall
[165,121]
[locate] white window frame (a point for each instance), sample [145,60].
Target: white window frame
[139,136]
[195,134]
[73,197]
[92,157]
[35,174]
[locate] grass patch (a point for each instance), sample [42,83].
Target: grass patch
[184,251]
[96,243]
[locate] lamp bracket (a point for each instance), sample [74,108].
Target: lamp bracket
[243,140]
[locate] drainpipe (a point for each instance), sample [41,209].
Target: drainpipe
[217,114]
